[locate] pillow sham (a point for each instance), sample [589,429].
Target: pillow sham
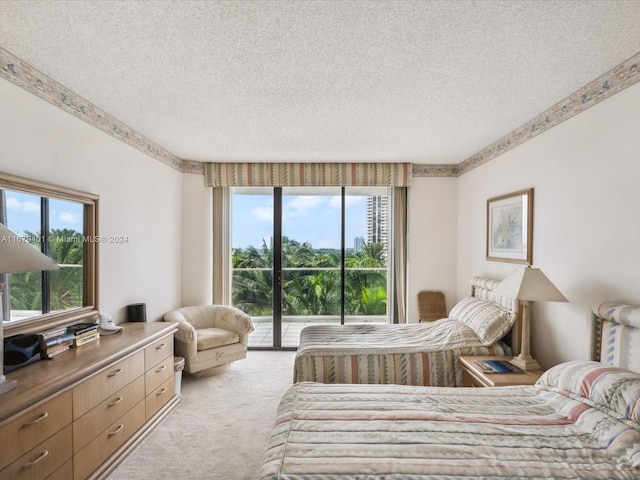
[487,319]
[612,390]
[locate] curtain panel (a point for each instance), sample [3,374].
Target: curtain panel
[307,174]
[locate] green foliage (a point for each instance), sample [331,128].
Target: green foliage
[65,248]
[308,288]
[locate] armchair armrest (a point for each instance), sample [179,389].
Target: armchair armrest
[186,333]
[233,319]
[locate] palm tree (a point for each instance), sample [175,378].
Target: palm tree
[65,248]
[252,287]
[306,290]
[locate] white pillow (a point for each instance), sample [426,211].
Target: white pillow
[612,390]
[487,319]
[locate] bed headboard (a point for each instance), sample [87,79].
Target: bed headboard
[482,287]
[615,335]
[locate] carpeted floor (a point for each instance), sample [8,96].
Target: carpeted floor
[220,428]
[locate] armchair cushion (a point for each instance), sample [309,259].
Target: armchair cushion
[210,337]
[215,337]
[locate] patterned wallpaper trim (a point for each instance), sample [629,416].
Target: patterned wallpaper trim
[36,82]
[25,76]
[612,82]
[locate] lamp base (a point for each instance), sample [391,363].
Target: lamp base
[7,385]
[526,363]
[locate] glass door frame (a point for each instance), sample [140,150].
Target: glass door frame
[278,271]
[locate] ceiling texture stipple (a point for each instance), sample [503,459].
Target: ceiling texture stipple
[427,82]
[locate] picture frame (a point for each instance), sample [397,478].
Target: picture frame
[510,227]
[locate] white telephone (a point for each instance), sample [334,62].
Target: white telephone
[107,326]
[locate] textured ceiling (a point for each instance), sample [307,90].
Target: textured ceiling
[423,82]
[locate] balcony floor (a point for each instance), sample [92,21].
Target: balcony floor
[262,336]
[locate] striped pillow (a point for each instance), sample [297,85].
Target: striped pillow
[612,390]
[487,319]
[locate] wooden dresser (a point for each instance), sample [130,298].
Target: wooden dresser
[79,414]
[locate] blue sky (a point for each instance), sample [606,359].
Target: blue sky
[313,218]
[23,213]
[306,218]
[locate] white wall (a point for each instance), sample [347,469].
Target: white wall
[139,197]
[586,174]
[197,238]
[431,225]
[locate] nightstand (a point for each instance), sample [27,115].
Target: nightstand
[473,376]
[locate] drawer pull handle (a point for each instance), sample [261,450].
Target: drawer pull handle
[114,373]
[39,419]
[31,464]
[116,430]
[160,368]
[161,392]
[113,404]
[162,345]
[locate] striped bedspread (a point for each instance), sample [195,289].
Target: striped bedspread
[408,354]
[396,432]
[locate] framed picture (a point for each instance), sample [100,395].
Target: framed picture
[510,227]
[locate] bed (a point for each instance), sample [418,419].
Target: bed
[580,420]
[483,323]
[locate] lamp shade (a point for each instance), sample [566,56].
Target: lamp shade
[18,255]
[529,284]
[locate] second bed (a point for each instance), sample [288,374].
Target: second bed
[483,323]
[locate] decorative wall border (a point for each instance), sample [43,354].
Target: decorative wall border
[433,170]
[36,82]
[25,76]
[191,166]
[612,82]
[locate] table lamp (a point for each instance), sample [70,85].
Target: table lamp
[528,284]
[17,255]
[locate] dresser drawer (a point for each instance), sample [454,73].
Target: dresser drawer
[88,426]
[158,351]
[105,383]
[159,374]
[26,430]
[159,397]
[65,472]
[107,442]
[42,460]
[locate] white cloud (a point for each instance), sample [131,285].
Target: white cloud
[302,204]
[27,206]
[68,217]
[264,214]
[336,202]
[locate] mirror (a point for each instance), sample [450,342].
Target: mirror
[61,222]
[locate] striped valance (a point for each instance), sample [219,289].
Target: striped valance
[307,174]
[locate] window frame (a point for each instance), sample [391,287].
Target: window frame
[89,257]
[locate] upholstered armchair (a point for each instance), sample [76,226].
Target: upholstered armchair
[210,337]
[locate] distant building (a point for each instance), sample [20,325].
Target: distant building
[378,220]
[358,244]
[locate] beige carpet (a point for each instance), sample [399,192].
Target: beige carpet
[220,428]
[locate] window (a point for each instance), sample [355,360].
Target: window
[61,223]
[326,248]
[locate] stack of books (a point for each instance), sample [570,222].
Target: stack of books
[497,366]
[58,340]
[55,341]
[84,333]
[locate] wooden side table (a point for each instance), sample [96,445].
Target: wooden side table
[473,376]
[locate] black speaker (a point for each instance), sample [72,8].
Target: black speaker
[137,312]
[20,351]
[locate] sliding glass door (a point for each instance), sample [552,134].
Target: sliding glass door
[309,255]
